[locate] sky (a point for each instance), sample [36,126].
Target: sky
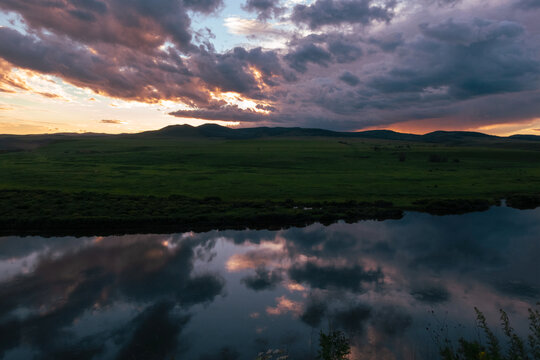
[117,66]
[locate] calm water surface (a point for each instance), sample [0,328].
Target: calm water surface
[392,286]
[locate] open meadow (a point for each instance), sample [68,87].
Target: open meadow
[203,179]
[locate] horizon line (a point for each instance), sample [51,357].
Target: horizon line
[268,127]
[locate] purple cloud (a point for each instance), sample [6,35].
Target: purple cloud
[337,12]
[371,66]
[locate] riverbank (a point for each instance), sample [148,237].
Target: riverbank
[55,213]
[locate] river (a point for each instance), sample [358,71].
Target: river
[395,287]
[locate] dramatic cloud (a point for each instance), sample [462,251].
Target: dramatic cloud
[135,24]
[307,53]
[130,66]
[155,335]
[139,269]
[333,277]
[239,70]
[127,296]
[338,64]
[353,319]
[336,12]
[322,50]
[463,60]
[528,4]
[314,313]
[388,42]
[518,288]
[431,294]
[130,75]
[265,8]
[349,78]
[263,279]
[391,320]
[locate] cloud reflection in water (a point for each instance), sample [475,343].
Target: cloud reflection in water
[227,294]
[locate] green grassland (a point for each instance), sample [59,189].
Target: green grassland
[197,180]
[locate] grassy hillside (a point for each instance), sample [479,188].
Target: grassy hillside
[307,170]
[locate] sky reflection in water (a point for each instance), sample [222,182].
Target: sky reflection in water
[231,294]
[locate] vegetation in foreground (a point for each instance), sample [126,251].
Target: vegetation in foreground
[163,181]
[491,348]
[335,345]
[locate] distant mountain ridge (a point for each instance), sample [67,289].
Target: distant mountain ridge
[28,142]
[525,137]
[217,131]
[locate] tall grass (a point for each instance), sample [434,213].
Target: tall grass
[491,347]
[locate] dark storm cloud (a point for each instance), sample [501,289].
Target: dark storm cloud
[226,72]
[141,271]
[231,71]
[391,320]
[342,100]
[446,2]
[125,59]
[28,52]
[478,31]
[316,241]
[307,53]
[118,72]
[388,42]
[337,12]
[454,253]
[96,6]
[136,23]
[45,330]
[234,113]
[349,79]
[263,279]
[528,4]
[155,335]
[452,70]
[352,319]
[138,76]
[432,294]
[518,288]
[314,312]
[226,113]
[465,59]
[302,239]
[83,15]
[343,50]
[203,6]
[334,277]
[461,69]
[200,289]
[264,8]
[322,49]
